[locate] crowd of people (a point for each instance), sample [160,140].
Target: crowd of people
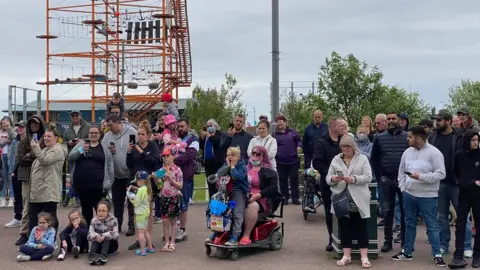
[419,170]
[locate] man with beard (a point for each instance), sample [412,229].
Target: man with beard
[387,151]
[237,137]
[466,120]
[421,170]
[186,162]
[448,141]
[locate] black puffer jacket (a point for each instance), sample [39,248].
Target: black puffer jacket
[325,149]
[387,151]
[467,166]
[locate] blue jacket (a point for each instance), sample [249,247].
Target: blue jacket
[238,175]
[48,238]
[287,143]
[311,134]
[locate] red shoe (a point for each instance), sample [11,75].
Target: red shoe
[245,241]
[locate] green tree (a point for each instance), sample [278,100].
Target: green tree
[466,94]
[220,104]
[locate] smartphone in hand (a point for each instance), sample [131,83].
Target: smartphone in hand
[132,139]
[408,173]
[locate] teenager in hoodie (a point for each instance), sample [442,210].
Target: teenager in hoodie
[35,129]
[467,170]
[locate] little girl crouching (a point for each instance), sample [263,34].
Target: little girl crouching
[103,233]
[40,244]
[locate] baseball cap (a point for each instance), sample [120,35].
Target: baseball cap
[21,123]
[140,175]
[443,114]
[75,111]
[463,110]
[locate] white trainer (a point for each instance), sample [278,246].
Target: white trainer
[10,203]
[2,202]
[13,224]
[468,254]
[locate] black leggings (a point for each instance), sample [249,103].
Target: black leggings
[89,198]
[327,205]
[211,168]
[119,189]
[353,228]
[17,195]
[81,242]
[106,247]
[466,202]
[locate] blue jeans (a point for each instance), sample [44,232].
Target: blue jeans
[428,208]
[396,212]
[447,194]
[187,193]
[6,177]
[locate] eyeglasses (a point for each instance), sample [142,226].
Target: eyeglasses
[75,115]
[257,154]
[93,133]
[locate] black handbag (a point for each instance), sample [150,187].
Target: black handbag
[341,203]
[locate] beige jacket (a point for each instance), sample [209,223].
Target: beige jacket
[46,173]
[360,170]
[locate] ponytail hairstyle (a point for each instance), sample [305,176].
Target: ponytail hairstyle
[145,125]
[148,183]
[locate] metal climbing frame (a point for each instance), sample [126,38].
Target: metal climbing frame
[118,32]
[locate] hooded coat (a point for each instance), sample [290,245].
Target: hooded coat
[71,135]
[467,165]
[25,156]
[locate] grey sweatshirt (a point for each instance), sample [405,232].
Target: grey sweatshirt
[121,141]
[428,162]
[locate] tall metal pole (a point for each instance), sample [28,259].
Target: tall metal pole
[10,101]
[123,68]
[39,103]
[24,117]
[275,90]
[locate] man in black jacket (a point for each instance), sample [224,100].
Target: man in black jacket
[387,151]
[448,141]
[311,134]
[237,137]
[325,149]
[213,157]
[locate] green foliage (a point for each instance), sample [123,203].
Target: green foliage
[351,89]
[466,94]
[220,104]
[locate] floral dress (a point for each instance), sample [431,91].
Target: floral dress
[170,196]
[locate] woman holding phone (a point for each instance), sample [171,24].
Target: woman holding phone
[92,171]
[350,171]
[144,156]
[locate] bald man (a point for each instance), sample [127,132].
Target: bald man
[311,134]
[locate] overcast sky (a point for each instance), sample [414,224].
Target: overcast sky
[425,46]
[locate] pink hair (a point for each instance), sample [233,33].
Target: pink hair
[265,162]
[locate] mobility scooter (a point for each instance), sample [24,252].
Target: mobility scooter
[312,198]
[267,231]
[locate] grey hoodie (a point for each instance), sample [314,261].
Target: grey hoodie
[121,142]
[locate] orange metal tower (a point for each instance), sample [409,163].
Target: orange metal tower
[150,37]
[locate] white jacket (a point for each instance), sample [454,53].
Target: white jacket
[269,143]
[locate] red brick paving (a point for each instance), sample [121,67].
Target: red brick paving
[303,249]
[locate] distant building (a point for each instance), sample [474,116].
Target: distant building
[60,112]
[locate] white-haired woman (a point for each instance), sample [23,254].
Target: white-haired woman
[266,140]
[213,158]
[350,171]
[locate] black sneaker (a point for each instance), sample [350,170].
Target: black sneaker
[296,201]
[285,201]
[387,246]
[329,247]
[401,257]
[75,252]
[103,258]
[439,261]
[476,262]
[381,224]
[134,246]
[130,232]
[22,240]
[457,263]
[92,258]
[396,229]
[398,239]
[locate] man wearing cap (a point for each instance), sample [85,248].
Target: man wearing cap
[404,121]
[78,130]
[448,141]
[34,131]
[466,120]
[17,185]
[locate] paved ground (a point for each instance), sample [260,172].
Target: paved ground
[303,249]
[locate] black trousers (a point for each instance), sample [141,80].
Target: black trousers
[307,158]
[119,189]
[465,203]
[89,198]
[389,193]
[327,205]
[81,242]
[17,198]
[353,228]
[211,168]
[106,247]
[286,171]
[37,208]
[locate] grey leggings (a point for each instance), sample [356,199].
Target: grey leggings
[238,212]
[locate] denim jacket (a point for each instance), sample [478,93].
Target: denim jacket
[48,238]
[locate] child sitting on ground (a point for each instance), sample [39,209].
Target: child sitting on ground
[170,200]
[39,246]
[74,237]
[103,233]
[116,101]
[169,105]
[141,203]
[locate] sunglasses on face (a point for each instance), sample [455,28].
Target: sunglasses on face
[257,154]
